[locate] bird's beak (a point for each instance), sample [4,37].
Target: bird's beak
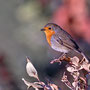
[42,29]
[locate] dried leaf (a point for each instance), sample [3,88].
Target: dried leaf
[75,75]
[54,87]
[86,66]
[27,83]
[75,60]
[35,85]
[71,69]
[67,83]
[31,70]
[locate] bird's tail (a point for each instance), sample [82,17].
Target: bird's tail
[84,57]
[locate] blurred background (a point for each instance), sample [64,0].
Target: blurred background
[20,36]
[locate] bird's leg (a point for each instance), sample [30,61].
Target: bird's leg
[59,59]
[62,56]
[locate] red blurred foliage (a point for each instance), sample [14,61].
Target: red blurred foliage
[73,17]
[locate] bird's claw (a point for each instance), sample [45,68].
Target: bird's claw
[61,58]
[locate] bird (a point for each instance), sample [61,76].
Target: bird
[60,40]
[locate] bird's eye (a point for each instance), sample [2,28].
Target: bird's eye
[49,28]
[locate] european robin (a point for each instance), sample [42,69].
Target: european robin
[59,39]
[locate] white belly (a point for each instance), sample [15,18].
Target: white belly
[58,47]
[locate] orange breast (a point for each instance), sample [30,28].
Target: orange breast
[49,34]
[49,39]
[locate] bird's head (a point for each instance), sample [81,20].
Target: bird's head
[50,29]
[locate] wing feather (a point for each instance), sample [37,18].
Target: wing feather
[66,40]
